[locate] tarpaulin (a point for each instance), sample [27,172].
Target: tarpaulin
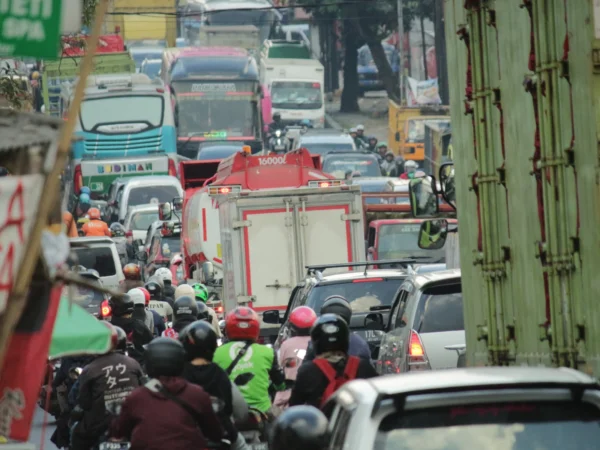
[109,43]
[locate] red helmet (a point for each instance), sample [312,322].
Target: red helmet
[146,294]
[94,214]
[242,324]
[302,319]
[132,272]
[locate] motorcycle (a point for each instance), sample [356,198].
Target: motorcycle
[256,429]
[279,143]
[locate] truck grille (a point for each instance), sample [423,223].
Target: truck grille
[129,143]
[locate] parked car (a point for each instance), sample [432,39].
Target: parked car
[100,254]
[425,328]
[501,408]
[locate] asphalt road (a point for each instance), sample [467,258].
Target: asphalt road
[40,435]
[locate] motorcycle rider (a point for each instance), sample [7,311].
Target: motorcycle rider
[201,294]
[410,169]
[168,411]
[160,282]
[83,204]
[185,311]
[242,354]
[358,142]
[70,226]
[336,304]
[330,336]
[293,349]
[275,125]
[159,321]
[200,342]
[301,428]
[156,302]
[95,226]
[360,134]
[372,144]
[204,313]
[389,166]
[133,276]
[167,278]
[139,308]
[103,386]
[138,334]
[382,150]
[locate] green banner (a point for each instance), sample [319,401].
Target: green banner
[30,28]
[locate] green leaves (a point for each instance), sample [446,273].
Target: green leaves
[12,93]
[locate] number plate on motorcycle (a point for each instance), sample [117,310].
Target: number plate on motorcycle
[260,446]
[114,446]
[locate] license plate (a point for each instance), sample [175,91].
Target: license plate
[114,446]
[259,446]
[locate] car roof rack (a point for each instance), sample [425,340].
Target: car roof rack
[405,262]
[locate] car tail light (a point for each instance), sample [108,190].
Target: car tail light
[367,280]
[219,309]
[105,309]
[172,168]
[416,351]
[78,179]
[325,184]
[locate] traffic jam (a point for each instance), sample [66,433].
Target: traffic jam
[245,273]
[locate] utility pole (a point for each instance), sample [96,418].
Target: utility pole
[401,49]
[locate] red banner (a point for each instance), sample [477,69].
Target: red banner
[109,43]
[25,363]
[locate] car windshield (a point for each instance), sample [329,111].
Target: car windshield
[151,194]
[400,240]
[142,220]
[296,95]
[151,69]
[140,56]
[440,309]
[170,245]
[339,166]
[86,297]
[100,259]
[133,109]
[220,152]
[497,426]
[322,149]
[362,294]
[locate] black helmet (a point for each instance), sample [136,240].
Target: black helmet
[330,333]
[203,312]
[336,304]
[185,306]
[300,428]
[121,344]
[199,340]
[155,289]
[164,357]
[121,305]
[276,116]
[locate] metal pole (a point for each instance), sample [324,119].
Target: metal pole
[401,49]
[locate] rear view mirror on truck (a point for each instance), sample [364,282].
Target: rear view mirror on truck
[165,211]
[178,203]
[423,197]
[208,272]
[432,235]
[447,184]
[271,316]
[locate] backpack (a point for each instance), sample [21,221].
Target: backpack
[336,381]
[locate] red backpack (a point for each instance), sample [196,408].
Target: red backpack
[336,381]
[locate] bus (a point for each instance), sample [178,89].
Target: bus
[126,128]
[216,94]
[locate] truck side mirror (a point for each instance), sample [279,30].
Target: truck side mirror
[447,186]
[208,272]
[271,316]
[424,201]
[178,203]
[433,233]
[165,211]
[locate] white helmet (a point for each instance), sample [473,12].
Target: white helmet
[137,295]
[360,128]
[410,166]
[164,274]
[184,289]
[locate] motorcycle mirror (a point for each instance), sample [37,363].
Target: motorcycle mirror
[243,378]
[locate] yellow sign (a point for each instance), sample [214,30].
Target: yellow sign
[219,251]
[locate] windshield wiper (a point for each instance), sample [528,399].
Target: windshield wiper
[193,135]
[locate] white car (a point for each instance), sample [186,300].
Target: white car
[154,189]
[500,408]
[100,254]
[139,219]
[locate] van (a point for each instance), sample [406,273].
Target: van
[145,190]
[100,254]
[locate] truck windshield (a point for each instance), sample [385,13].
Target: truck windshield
[151,194]
[100,259]
[501,426]
[416,128]
[262,19]
[296,95]
[362,294]
[143,220]
[368,167]
[400,240]
[231,116]
[123,109]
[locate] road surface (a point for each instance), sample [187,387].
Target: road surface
[40,434]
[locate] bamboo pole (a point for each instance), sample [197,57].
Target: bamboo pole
[49,197]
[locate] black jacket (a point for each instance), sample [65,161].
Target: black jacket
[213,380]
[273,126]
[169,293]
[103,386]
[181,322]
[138,334]
[311,382]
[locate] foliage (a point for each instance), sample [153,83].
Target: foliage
[12,93]
[89,8]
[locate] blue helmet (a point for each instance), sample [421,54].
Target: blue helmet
[85,190]
[306,123]
[84,198]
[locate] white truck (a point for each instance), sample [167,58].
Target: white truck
[296,87]
[241,36]
[268,217]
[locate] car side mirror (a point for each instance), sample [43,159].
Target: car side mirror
[271,316]
[447,186]
[423,197]
[142,256]
[374,321]
[208,272]
[432,234]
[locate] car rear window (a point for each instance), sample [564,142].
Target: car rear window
[151,194]
[498,426]
[440,309]
[323,149]
[97,258]
[363,295]
[86,297]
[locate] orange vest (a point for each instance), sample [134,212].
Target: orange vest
[70,224]
[96,228]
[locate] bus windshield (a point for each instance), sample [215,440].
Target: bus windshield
[123,109]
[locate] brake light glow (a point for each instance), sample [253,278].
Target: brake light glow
[105,310]
[325,184]
[219,309]
[367,280]
[224,190]
[172,168]
[160,91]
[78,179]
[316,85]
[416,352]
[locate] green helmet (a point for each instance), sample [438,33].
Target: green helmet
[200,292]
[382,144]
